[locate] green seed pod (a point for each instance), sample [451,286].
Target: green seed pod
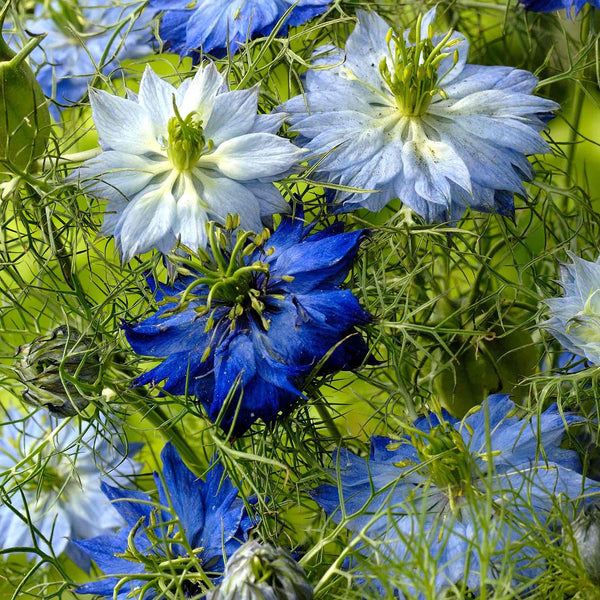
[24,115]
[45,364]
[262,572]
[586,532]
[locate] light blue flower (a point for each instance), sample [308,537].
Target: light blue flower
[167,172]
[82,39]
[450,491]
[199,525]
[206,25]
[412,120]
[575,318]
[56,487]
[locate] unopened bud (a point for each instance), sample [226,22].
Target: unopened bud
[24,115]
[42,364]
[262,572]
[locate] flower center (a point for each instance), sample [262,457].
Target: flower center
[413,77]
[186,140]
[446,458]
[230,278]
[586,323]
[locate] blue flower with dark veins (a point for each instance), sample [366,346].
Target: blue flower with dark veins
[243,334]
[189,28]
[405,116]
[82,39]
[179,547]
[455,495]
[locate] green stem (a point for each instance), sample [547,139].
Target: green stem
[328,420]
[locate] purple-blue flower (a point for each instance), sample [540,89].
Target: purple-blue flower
[250,336]
[204,517]
[206,25]
[450,489]
[547,6]
[82,39]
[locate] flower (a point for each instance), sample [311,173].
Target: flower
[586,535]
[82,39]
[257,325]
[575,318]
[413,120]
[41,362]
[183,543]
[57,486]
[206,25]
[429,493]
[174,158]
[547,6]
[262,572]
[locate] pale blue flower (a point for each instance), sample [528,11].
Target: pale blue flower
[416,122]
[575,318]
[165,174]
[81,40]
[455,491]
[189,28]
[56,487]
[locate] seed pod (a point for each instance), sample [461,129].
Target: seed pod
[41,362]
[262,572]
[24,115]
[586,532]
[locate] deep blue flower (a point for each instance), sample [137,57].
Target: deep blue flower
[547,6]
[206,25]
[450,489]
[442,138]
[210,519]
[260,339]
[83,38]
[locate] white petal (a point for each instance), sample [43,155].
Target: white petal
[156,96]
[146,220]
[200,95]
[225,196]
[191,217]
[122,124]
[254,156]
[234,114]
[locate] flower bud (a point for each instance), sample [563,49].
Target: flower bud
[45,364]
[24,114]
[586,533]
[262,572]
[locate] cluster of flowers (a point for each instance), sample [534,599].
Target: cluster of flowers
[255,311]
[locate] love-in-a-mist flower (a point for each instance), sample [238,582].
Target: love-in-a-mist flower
[547,6]
[451,490]
[207,25]
[245,332]
[405,116]
[174,159]
[575,318]
[83,38]
[54,494]
[172,548]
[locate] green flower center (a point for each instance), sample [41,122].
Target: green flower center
[413,77]
[186,140]
[446,458]
[586,323]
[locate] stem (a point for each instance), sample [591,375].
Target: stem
[328,420]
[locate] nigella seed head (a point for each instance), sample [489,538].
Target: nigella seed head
[50,364]
[257,571]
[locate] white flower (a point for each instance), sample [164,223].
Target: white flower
[50,481]
[575,318]
[175,158]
